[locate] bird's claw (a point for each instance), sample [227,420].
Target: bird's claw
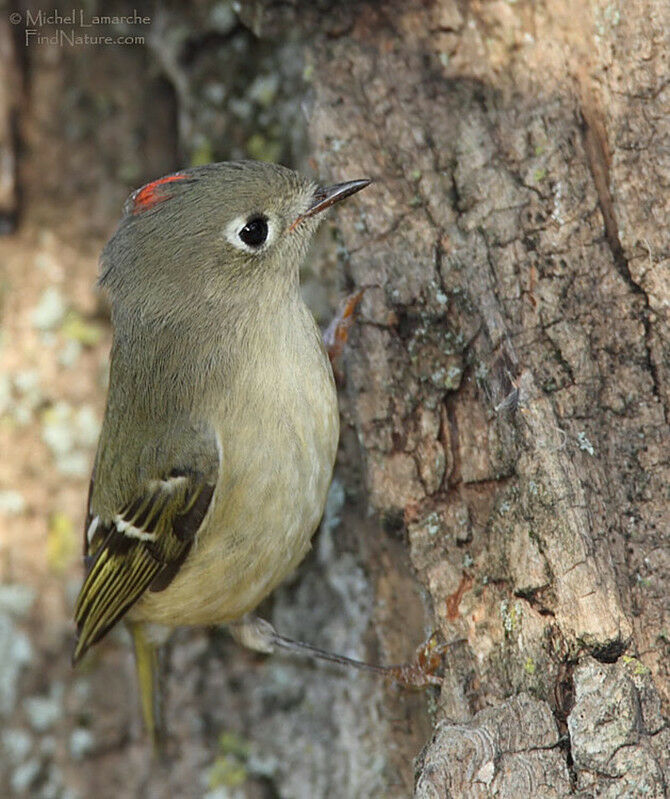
[337,333]
[420,672]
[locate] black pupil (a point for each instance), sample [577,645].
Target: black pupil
[255,232]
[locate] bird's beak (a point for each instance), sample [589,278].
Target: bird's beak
[325,196]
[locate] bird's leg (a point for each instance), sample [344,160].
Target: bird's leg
[336,334]
[261,636]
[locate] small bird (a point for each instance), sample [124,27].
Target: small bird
[222,424]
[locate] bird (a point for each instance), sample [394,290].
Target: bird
[221,424]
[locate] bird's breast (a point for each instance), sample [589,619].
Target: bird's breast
[278,439]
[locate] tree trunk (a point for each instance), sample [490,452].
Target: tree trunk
[508,380]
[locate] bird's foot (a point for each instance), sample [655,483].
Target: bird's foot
[336,334]
[420,671]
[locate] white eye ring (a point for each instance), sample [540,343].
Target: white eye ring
[234,228]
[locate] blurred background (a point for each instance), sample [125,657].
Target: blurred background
[80,128]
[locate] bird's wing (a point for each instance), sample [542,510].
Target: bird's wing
[141,548]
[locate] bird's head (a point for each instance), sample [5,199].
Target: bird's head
[216,232]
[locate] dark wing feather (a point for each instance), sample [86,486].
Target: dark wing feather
[140,549]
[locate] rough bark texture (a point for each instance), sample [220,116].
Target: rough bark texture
[509,381]
[503,473]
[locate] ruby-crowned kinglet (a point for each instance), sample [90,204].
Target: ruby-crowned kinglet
[221,426]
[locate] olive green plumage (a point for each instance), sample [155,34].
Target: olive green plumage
[221,425]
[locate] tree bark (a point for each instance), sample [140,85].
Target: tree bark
[508,381]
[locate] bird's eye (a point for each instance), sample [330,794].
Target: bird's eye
[255,232]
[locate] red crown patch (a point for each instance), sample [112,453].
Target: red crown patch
[150,195]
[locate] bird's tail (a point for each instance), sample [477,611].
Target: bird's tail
[147,664]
